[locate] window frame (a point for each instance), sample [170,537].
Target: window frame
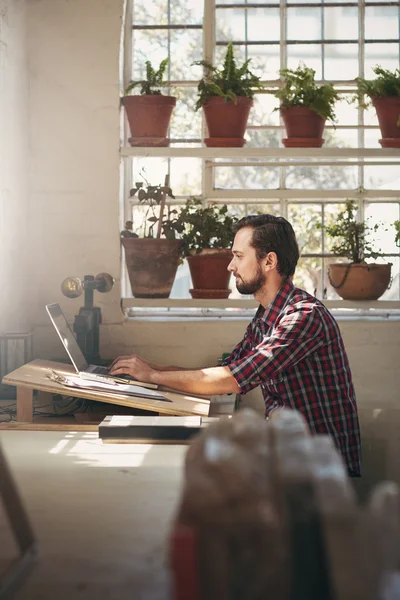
[280,157]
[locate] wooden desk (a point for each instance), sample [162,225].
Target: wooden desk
[34,376]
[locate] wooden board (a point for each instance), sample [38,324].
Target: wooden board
[34,375]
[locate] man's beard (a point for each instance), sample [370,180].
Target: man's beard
[252,286]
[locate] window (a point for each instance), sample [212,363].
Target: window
[340,41]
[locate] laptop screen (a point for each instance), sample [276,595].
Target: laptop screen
[67,337]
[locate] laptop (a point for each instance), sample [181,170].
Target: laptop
[85,371]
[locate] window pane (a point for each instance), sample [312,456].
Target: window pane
[185,122]
[186,47]
[304,23]
[381,22]
[340,138]
[231,178]
[341,62]
[310,54]
[308,275]
[385,55]
[230,25]
[341,23]
[387,213]
[263,24]
[325,178]
[304,218]
[146,13]
[148,45]
[189,12]
[381,177]
[265,61]
[393,293]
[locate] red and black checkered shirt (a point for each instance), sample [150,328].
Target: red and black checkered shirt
[295,352]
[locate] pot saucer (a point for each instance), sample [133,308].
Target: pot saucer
[148,141]
[390,142]
[303,142]
[224,142]
[214,294]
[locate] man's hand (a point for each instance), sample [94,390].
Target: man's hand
[134,366]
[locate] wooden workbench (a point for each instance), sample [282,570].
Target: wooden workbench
[35,376]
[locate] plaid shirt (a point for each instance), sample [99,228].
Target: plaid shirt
[295,352]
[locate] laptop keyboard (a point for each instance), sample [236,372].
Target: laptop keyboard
[100,371]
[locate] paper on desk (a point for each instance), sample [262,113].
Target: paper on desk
[113,387]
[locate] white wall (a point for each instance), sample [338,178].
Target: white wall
[73,50]
[15,262]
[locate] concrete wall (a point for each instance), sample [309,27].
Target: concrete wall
[15,262]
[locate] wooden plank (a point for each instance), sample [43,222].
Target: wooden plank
[35,375]
[48,425]
[24,404]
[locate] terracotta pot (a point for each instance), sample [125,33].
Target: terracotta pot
[152,265]
[227,121]
[148,118]
[208,270]
[388,113]
[359,282]
[304,127]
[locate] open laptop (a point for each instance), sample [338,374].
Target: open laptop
[86,371]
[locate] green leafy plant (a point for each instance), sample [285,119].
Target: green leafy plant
[354,239]
[153,81]
[397,230]
[385,85]
[152,197]
[300,89]
[204,227]
[229,82]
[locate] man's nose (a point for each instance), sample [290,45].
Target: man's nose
[230,266]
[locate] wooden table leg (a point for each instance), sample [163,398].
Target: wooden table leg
[24,404]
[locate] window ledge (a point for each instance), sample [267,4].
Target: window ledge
[241,309]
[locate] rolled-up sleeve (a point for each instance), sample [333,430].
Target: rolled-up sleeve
[297,335]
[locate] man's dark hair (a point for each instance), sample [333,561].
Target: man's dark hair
[273,234]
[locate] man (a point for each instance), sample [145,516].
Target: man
[292,348]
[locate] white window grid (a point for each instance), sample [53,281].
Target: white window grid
[280,158]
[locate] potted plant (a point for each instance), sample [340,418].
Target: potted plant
[356,279]
[305,107]
[206,239]
[150,112]
[226,96]
[384,94]
[152,260]
[397,230]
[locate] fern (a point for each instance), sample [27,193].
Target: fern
[153,81]
[300,89]
[229,82]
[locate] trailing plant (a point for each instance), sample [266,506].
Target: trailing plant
[204,227]
[153,81]
[385,85]
[354,239]
[153,197]
[397,230]
[300,89]
[229,82]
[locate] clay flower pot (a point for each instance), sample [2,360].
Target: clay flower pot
[304,127]
[359,281]
[209,273]
[388,113]
[227,121]
[151,265]
[148,117]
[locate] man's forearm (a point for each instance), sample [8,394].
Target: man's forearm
[213,380]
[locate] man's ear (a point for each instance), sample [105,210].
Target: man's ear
[270,261]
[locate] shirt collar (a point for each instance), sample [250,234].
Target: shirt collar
[269,315]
